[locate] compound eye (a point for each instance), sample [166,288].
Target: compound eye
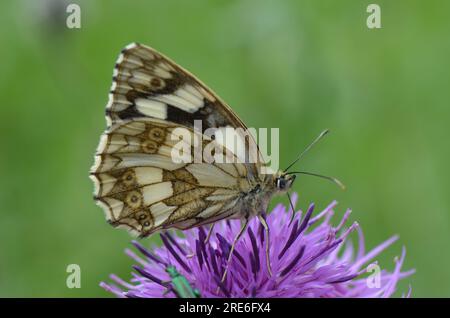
[281,183]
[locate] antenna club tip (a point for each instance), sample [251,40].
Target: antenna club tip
[340,184]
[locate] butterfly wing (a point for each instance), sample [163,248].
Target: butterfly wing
[137,182]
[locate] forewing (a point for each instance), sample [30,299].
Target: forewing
[148,84]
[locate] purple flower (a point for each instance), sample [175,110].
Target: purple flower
[309,257]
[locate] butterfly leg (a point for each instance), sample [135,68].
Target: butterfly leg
[266,229]
[209,233]
[292,208]
[243,227]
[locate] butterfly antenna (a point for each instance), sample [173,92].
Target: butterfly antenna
[321,135]
[334,180]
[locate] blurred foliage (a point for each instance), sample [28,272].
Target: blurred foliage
[299,65]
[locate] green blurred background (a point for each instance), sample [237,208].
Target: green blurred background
[299,65]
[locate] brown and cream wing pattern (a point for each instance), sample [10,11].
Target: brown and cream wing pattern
[141,188]
[137,183]
[148,84]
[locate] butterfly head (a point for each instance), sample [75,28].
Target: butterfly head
[283,181]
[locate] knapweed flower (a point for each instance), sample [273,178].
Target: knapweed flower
[309,257]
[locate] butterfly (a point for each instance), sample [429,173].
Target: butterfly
[139,185]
